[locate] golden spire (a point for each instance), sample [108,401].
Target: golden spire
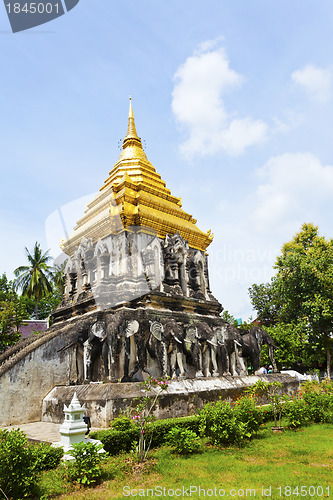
[131,130]
[132,145]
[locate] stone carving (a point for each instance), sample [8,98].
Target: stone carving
[166,345]
[199,340]
[158,346]
[175,251]
[175,349]
[197,282]
[252,344]
[116,349]
[94,347]
[234,346]
[153,265]
[219,352]
[125,266]
[131,359]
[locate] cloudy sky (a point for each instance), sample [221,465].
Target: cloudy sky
[232,99]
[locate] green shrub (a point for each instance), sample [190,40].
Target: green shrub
[18,465]
[246,411]
[267,413]
[122,423]
[297,413]
[320,406]
[184,441]
[47,457]
[114,441]
[325,386]
[219,423]
[86,469]
[161,428]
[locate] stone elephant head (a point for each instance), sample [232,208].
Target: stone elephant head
[252,344]
[166,345]
[197,342]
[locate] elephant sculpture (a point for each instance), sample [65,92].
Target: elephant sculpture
[198,343]
[165,344]
[94,347]
[105,341]
[227,345]
[219,351]
[252,344]
[234,347]
[128,330]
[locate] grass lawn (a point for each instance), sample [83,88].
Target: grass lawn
[273,462]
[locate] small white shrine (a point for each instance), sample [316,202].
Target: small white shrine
[74,429]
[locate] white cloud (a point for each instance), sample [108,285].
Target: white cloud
[197,104]
[317,82]
[296,187]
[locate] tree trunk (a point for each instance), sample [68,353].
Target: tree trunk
[328,357]
[36,308]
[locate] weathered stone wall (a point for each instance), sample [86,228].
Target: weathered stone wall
[106,401]
[29,371]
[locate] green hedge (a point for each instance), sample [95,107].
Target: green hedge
[116,441]
[162,427]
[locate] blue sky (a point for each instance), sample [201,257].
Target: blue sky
[232,99]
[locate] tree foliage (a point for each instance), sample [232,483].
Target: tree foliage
[12,314]
[301,293]
[35,279]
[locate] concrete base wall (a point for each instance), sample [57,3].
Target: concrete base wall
[106,401]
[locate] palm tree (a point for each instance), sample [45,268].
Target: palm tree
[35,279]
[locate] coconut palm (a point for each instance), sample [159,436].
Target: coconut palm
[35,280]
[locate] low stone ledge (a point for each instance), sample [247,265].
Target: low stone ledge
[184,397]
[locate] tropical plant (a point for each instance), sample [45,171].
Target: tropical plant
[143,414]
[12,314]
[184,441]
[220,424]
[86,468]
[35,280]
[19,473]
[271,390]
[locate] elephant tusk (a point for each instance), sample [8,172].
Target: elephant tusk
[212,343]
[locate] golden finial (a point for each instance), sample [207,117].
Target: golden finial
[131,130]
[132,145]
[130,114]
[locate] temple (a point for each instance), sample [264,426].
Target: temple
[135,240]
[136,303]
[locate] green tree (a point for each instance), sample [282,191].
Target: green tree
[12,314]
[229,318]
[35,280]
[302,290]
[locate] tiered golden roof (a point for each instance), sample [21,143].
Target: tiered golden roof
[135,195]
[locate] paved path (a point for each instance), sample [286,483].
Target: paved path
[40,431]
